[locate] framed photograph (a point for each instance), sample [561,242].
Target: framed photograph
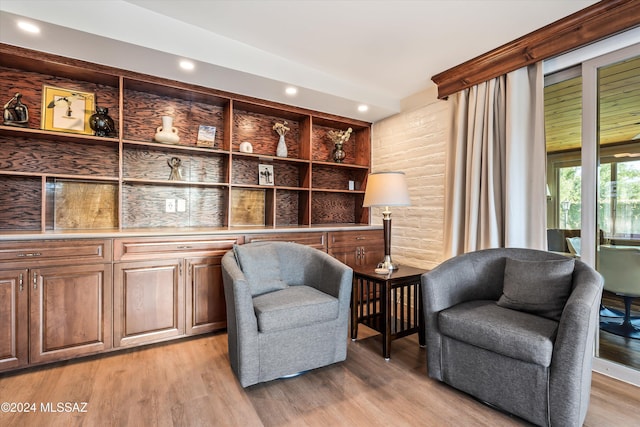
[265,174]
[67,110]
[206,136]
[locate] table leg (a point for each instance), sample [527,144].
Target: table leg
[386,334]
[355,304]
[421,323]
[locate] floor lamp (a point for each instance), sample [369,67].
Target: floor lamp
[386,189]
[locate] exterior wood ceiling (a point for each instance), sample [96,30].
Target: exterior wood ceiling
[619,107]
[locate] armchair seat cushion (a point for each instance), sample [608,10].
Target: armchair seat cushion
[293,307]
[512,333]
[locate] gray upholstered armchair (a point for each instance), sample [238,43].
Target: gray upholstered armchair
[515,328]
[287,309]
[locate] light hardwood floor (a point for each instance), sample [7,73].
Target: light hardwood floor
[190,383]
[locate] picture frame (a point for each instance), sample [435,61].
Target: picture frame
[265,175]
[206,136]
[67,110]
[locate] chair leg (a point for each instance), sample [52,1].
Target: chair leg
[628,326]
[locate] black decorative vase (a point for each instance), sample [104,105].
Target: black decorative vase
[101,123]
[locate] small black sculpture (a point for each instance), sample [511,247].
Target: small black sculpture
[15,112]
[101,123]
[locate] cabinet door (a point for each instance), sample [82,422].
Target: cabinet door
[357,247]
[346,255]
[70,311]
[205,306]
[148,302]
[14,315]
[371,254]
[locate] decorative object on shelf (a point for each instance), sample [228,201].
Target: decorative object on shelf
[15,112]
[101,123]
[67,110]
[246,147]
[206,136]
[281,129]
[265,174]
[339,137]
[167,133]
[386,189]
[176,169]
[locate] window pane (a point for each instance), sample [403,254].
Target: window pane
[626,194]
[569,183]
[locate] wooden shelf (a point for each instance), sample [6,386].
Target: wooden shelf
[309,188]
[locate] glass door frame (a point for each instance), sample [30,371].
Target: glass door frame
[590,153]
[590,158]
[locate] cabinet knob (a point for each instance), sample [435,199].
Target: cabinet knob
[35,280]
[21,282]
[29,254]
[183,247]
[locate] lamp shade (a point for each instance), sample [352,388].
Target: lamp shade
[386,189]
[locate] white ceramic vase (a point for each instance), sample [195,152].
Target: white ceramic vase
[281,150]
[167,133]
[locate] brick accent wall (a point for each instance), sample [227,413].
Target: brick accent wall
[414,141]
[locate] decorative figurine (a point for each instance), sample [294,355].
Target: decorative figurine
[175,164]
[101,123]
[15,112]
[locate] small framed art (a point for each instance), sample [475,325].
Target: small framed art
[67,110]
[206,136]
[265,174]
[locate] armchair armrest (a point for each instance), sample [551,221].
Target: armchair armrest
[573,348]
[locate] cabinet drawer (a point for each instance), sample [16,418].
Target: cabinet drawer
[316,239]
[145,248]
[43,252]
[355,238]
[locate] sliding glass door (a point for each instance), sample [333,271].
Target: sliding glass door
[615,250]
[592,119]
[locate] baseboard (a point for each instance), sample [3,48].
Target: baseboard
[617,371]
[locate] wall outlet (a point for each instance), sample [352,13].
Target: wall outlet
[181,205]
[170,205]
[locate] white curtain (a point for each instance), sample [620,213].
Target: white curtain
[496,160]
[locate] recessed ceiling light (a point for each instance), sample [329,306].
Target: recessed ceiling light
[187,65]
[362,108]
[290,90]
[28,27]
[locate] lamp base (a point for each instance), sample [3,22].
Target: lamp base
[388,264]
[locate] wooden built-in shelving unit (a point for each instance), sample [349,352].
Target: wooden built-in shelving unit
[63,181]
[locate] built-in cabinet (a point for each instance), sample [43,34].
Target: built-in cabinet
[164,213]
[62,299]
[168,287]
[357,247]
[56,300]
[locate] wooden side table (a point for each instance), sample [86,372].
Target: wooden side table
[388,303]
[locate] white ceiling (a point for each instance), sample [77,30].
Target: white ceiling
[339,53]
